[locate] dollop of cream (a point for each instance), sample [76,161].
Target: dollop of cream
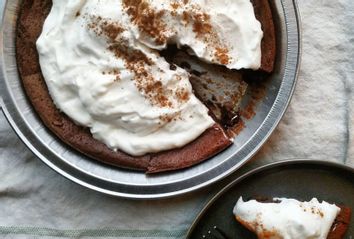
[224,32]
[101,64]
[288,218]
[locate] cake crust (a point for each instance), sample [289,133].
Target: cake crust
[264,14]
[341,224]
[30,23]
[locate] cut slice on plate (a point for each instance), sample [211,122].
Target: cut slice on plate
[279,218]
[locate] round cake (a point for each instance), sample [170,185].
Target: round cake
[175,145]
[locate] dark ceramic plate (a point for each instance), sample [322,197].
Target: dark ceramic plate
[300,179]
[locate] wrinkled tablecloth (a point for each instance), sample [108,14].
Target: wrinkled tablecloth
[35,202]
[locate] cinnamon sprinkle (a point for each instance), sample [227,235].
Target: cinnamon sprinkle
[135,61]
[182,95]
[186,18]
[203,29]
[175,5]
[147,19]
[222,55]
[150,22]
[115,72]
[169,118]
[202,26]
[112,31]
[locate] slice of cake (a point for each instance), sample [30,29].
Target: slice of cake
[280,218]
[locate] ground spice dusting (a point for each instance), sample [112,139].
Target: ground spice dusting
[107,27]
[185,18]
[202,26]
[150,22]
[222,55]
[169,118]
[147,19]
[182,95]
[203,29]
[175,5]
[115,72]
[94,24]
[131,56]
[135,61]
[111,30]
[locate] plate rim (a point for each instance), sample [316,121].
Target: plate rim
[87,180]
[260,169]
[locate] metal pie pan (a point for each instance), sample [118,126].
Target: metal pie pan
[300,179]
[131,184]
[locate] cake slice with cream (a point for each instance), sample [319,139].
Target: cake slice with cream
[283,218]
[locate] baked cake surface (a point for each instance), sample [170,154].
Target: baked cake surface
[30,23]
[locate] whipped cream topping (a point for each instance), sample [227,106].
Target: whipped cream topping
[103,70]
[288,218]
[223,32]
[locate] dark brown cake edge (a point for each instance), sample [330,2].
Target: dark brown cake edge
[264,14]
[341,224]
[211,142]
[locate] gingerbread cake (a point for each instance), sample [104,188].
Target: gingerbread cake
[289,218]
[215,139]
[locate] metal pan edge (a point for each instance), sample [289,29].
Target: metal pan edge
[173,188]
